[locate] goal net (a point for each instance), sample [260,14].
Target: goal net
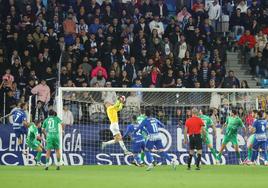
[81,141]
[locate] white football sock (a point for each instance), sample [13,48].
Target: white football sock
[109,142]
[122,145]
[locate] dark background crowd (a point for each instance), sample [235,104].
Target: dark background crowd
[148,43]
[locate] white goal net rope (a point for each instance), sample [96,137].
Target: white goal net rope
[90,126]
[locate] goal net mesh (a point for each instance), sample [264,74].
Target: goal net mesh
[90,127]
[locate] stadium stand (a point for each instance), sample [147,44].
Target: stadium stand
[88,43]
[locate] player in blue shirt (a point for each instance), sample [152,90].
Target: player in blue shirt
[19,122]
[150,126]
[260,142]
[138,141]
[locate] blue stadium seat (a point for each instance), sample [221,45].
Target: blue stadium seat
[264,83]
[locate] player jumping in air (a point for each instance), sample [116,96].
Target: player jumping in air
[19,122]
[51,130]
[150,126]
[138,141]
[233,123]
[33,140]
[112,110]
[259,127]
[208,123]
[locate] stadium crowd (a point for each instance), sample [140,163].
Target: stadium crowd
[107,43]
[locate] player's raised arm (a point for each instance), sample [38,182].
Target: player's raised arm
[119,103]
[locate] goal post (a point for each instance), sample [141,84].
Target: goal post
[82,139]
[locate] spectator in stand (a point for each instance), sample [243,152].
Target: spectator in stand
[82,26]
[265,52]
[129,41]
[179,83]
[214,12]
[198,10]
[247,43]
[38,113]
[242,5]
[157,25]
[183,16]
[98,68]
[8,77]
[259,65]
[133,101]
[256,9]
[231,81]
[108,96]
[161,9]
[69,27]
[113,79]
[99,78]
[244,84]
[67,116]
[169,80]
[42,91]
[261,40]
[236,22]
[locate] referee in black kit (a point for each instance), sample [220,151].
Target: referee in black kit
[194,127]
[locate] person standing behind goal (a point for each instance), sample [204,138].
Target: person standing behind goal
[194,127]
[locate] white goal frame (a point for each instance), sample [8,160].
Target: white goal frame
[59,100]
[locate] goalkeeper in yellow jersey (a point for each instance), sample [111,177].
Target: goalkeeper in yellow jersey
[112,110]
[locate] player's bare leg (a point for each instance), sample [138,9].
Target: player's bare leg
[24,152]
[117,139]
[48,153]
[58,159]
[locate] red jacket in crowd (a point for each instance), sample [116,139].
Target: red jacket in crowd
[250,39]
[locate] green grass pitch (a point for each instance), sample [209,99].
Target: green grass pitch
[133,177]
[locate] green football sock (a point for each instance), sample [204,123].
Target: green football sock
[214,153]
[219,156]
[142,156]
[58,161]
[238,154]
[38,156]
[249,153]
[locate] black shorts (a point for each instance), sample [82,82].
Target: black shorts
[195,141]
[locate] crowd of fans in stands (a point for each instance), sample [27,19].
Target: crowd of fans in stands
[125,44]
